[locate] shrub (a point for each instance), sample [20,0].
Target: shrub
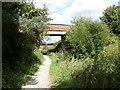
[19,41]
[69,72]
[23,70]
[90,61]
[86,37]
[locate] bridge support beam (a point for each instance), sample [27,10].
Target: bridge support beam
[63,42]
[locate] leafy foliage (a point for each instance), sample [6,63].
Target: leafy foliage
[10,33]
[69,72]
[111,18]
[34,23]
[24,69]
[86,37]
[19,59]
[92,59]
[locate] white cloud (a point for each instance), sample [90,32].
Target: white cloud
[51,4]
[91,8]
[59,17]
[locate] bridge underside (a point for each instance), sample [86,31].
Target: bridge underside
[57,33]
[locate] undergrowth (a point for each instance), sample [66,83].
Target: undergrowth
[60,73]
[69,72]
[23,70]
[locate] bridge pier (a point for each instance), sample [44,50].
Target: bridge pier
[62,39]
[63,42]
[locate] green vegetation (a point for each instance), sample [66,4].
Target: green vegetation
[20,41]
[88,60]
[51,48]
[23,70]
[87,38]
[111,16]
[91,59]
[34,23]
[39,55]
[69,72]
[60,73]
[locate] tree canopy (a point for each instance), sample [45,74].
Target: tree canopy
[22,27]
[86,37]
[34,23]
[110,17]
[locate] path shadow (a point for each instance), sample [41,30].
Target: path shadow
[32,81]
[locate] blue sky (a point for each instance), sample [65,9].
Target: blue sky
[63,11]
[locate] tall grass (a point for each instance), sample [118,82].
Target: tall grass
[70,72]
[60,73]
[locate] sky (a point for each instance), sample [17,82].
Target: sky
[63,11]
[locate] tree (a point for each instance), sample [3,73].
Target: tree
[10,32]
[110,17]
[22,25]
[34,23]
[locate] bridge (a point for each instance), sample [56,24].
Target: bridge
[57,29]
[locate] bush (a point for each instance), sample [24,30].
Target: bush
[90,62]
[23,70]
[69,72]
[86,37]
[45,50]
[112,39]
[19,59]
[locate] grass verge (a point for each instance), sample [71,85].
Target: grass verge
[60,73]
[68,72]
[23,70]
